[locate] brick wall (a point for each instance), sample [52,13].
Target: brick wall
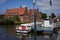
[25,15]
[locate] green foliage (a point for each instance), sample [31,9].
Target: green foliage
[52,15]
[16,18]
[10,21]
[44,15]
[1,16]
[7,21]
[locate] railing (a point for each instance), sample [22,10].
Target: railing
[57,24]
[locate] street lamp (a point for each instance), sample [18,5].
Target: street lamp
[34,15]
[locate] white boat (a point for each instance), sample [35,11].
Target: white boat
[24,28]
[47,25]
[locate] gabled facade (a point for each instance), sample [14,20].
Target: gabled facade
[24,14]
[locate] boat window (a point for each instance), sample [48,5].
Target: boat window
[39,25]
[50,22]
[28,26]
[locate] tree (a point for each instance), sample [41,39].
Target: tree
[1,16]
[44,15]
[8,21]
[16,18]
[52,15]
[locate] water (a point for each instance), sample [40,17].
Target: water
[32,37]
[9,33]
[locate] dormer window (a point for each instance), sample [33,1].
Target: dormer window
[26,17]
[21,15]
[16,13]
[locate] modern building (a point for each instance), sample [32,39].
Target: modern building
[25,15]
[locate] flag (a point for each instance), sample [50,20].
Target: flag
[50,2]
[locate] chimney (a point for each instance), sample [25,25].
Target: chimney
[20,7]
[37,9]
[7,9]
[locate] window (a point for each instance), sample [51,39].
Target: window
[16,13]
[50,22]
[26,17]
[11,13]
[21,15]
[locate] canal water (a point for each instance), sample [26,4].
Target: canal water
[9,33]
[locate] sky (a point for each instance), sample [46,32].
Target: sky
[42,5]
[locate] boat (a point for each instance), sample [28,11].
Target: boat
[23,28]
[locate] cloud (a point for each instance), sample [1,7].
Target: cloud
[46,7]
[2,1]
[50,8]
[45,4]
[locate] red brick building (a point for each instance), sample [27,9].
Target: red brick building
[24,14]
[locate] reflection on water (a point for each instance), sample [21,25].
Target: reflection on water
[23,36]
[32,36]
[3,35]
[9,33]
